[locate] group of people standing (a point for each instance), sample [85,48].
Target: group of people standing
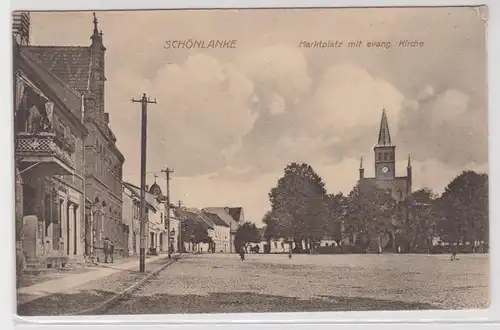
[109,250]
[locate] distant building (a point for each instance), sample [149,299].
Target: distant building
[232,216]
[153,216]
[221,234]
[189,218]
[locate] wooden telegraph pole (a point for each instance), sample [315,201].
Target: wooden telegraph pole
[167,172]
[144,126]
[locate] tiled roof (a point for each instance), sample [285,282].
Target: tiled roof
[216,219]
[224,215]
[398,186]
[71,98]
[235,213]
[150,199]
[71,64]
[192,215]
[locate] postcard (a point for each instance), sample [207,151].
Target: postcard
[251,160]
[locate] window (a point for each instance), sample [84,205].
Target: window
[161,215]
[276,245]
[385,156]
[379,157]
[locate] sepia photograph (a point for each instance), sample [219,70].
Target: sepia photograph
[251,160]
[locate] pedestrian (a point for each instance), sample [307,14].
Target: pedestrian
[106,249]
[242,254]
[111,250]
[454,252]
[290,254]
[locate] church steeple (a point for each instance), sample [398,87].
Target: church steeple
[384,136]
[361,169]
[96,36]
[385,152]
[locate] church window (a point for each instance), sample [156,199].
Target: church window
[379,157]
[385,156]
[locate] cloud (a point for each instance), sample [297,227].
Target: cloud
[445,126]
[204,109]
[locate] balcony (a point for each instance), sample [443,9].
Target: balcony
[46,148]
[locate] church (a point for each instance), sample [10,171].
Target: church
[385,166]
[400,187]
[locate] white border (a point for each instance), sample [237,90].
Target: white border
[385,320]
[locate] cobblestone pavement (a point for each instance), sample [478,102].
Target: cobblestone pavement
[87,295]
[273,283]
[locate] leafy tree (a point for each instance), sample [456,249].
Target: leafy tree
[299,207]
[196,232]
[336,215]
[463,209]
[369,213]
[245,234]
[419,228]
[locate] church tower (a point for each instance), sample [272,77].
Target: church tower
[97,78]
[385,152]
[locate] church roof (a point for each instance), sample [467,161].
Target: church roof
[384,136]
[155,190]
[398,185]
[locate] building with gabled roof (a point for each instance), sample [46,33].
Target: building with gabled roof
[81,70]
[221,233]
[226,214]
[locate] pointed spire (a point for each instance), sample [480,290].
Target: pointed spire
[384,137]
[409,161]
[155,176]
[361,163]
[96,31]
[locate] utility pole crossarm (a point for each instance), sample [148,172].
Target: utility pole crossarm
[144,99]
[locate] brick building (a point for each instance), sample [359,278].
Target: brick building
[82,70]
[49,144]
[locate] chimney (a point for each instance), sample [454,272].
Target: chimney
[21,27]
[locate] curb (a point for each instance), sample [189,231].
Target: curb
[99,309]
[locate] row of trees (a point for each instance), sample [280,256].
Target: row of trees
[303,211]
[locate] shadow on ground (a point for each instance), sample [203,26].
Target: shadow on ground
[246,302]
[231,302]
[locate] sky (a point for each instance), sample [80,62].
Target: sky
[228,121]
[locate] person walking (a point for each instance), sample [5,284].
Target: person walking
[242,253]
[111,250]
[105,248]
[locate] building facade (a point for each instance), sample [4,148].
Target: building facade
[82,70]
[131,212]
[49,143]
[221,235]
[233,217]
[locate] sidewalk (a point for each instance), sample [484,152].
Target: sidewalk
[70,281]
